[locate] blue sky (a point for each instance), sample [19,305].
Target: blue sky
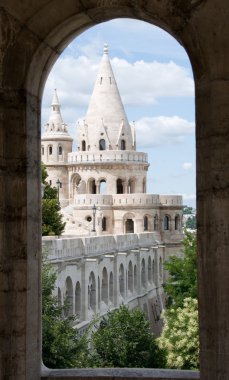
[155,81]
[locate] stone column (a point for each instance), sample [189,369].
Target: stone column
[213,225]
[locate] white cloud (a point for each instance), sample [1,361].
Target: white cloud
[187,165]
[140,83]
[155,131]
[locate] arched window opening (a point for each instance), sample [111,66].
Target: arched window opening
[154,270]
[160,268]
[123,145]
[99,293]
[131,186]
[135,279]
[42,150]
[166,222]
[146,223]
[102,144]
[130,278]
[83,145]
[104,290]
[102,186]
[91,187]
[104,223]
[119,186]
[59,297]
[111,288]
[69,296]
[50,150]
[129,226]
[121,281]
[155,223]
[177,222]
[60,150]
[78,300]
[149,270]
[143,274]
[92,292]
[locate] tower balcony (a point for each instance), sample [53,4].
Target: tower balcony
[107,156]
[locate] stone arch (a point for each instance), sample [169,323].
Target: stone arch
[102,186]
[130,283]
[135,279]
[50,150]
[102,144]
[59,297]
[104,287]
[111,288]
[166,223]
[83,145]
[78,299]
[31,73]
[104,223]
[154,271]
[160,268]
[131,185]
[143,274]
[92,292]
[128,223]
[76,184]
[122,281]
[120,186]
[123,144]
[69,295]
[150,270]
[60,150]
[91,186]
[99,292]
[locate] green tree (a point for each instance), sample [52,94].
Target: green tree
[182,281]
[191,223]
[124,339]
[61,345]
[179,337]
[51,217]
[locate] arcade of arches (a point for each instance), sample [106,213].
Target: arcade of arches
[33,34]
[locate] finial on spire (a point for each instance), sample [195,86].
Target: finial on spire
[55,100]
[105,49]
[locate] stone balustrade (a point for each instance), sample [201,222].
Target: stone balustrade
[128,199]
[107,156]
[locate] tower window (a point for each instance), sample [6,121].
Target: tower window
[166,222]
[83,145]
[104,224]
[102,144]
[123,145]
[146,223]
[60,150]
[50,150]
[42,150]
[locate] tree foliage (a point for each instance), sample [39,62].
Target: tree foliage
[180,338]
[124,339]
[61,345]
[182,281]
[51,217]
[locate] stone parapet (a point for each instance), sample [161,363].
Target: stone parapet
[70,248]
[107,156]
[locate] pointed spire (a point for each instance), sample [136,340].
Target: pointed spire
[55,126]
[106,104]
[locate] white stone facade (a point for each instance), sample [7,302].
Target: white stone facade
[97,274]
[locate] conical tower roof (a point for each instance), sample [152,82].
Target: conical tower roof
[56,128]
[106,112]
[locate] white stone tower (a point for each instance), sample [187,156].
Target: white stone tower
[55,147]
[104,182]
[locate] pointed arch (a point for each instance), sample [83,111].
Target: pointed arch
[92,292]
[130,277]
[122,281]
[78,300]
[111,288]
[69,296]
[104,287]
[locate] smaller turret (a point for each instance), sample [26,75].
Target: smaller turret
[56,143]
